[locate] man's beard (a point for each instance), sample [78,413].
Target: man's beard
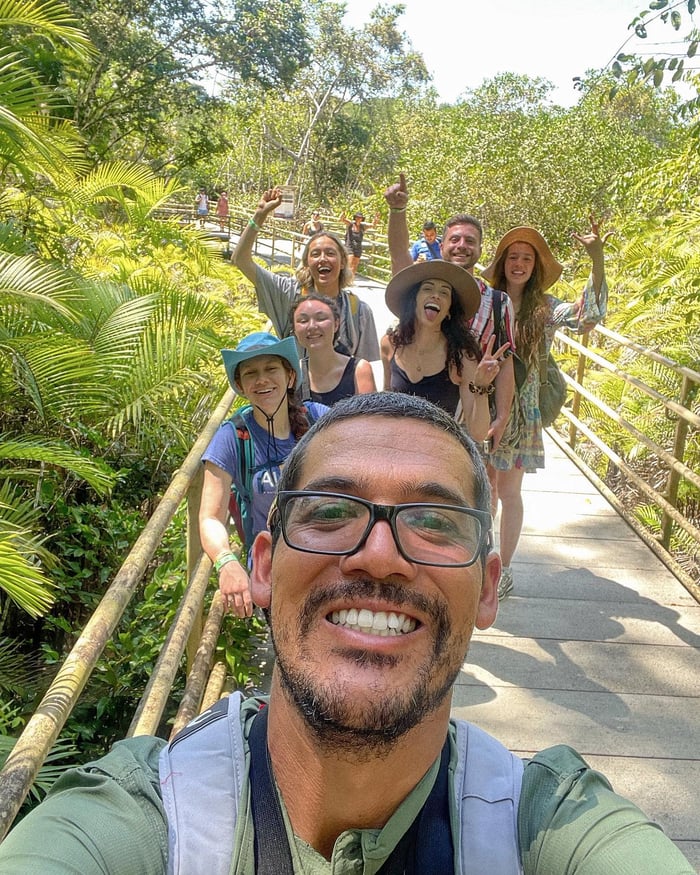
[374,726]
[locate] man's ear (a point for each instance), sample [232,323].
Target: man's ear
[488,599]
[261,573]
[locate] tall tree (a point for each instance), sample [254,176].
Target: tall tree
[156,62]
[320,130]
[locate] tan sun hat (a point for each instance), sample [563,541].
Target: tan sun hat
[462,282]
[551,269]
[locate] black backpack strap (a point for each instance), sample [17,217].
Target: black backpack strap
[426,847]
[496,303]
[271,847]
[246,453]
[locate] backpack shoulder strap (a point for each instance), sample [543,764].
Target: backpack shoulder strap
[487,784]
[496,305]
[354,302]
[207,755]
[246,451]
[240,502]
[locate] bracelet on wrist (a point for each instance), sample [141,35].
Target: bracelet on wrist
[253,224]
[481,390]
[397,209]
[223,559]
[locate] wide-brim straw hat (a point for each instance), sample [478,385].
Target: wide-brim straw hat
[260,343]
[463,284]
[551,269]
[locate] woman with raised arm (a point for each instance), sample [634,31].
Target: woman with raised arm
[324,269]
[327,375]
[525,268]
[432,352]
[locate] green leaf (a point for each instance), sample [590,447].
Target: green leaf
[692,49]
[676,19]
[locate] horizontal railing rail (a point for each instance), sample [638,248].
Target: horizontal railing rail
[605,414]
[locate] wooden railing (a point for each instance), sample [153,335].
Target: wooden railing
[610,409]
[281,243]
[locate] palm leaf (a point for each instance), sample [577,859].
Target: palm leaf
[58,455]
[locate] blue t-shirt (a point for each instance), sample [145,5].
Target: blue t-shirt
[269,457]
[430,251]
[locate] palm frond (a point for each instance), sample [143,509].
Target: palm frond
[58,455]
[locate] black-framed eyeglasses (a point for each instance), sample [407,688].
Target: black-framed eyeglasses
[426,533]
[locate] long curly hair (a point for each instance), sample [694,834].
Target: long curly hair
[534,310]
[460,338]
[303,274]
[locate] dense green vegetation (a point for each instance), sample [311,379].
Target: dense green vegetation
[112,319]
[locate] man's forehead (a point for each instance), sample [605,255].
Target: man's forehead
[349,444]
[465,229]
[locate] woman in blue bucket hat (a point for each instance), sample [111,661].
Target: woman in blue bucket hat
[243,461]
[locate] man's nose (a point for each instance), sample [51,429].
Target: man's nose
[379,556]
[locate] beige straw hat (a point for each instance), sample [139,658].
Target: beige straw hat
[463,284]
[551,269]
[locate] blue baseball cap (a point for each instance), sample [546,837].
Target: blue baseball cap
[261,343]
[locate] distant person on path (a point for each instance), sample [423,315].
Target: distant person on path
[324,269]
[461,245]
[525,267]
[427,247]
[432,352]
[314,225]
[354,235]
[375,572]
[201,203]
[265,371]
[222,210]
[327,375]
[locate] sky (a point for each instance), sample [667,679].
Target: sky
[464,42]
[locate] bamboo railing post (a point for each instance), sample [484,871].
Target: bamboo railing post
[576,405]
[194,551]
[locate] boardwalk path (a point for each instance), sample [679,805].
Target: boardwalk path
[598,647]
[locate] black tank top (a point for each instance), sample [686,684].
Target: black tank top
[344,389]
[437,388]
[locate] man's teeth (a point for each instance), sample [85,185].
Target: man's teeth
[381,623]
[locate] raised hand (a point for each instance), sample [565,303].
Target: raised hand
[270,200]
[490,365]
[397,194]
[592,242]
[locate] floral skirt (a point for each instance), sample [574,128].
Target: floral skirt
[529,451]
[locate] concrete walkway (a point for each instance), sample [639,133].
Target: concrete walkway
[599,648]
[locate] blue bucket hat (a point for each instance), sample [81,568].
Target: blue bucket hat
[261,343]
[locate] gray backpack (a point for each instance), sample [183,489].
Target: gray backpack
[206,761]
